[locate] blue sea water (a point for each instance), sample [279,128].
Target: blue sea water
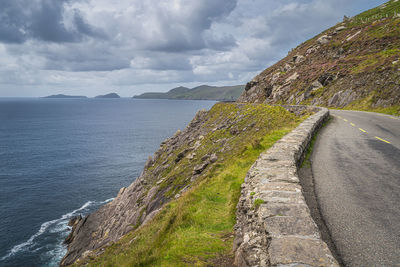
[64,157]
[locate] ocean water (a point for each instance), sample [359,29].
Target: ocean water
[64,157]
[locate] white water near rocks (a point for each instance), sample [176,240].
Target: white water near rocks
[58,226]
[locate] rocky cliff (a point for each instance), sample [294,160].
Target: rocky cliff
[354,64]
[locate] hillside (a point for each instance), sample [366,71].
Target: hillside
[187,193]
[354,65]
[203,92]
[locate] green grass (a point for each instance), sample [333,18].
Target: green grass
[258,202]
[197,228]
[391,8]
[392,110]
[306,161]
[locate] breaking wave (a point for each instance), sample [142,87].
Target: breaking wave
[57,226]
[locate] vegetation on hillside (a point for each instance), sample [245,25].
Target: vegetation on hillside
[354,65]
[196,228]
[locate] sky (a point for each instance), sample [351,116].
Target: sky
[92,47]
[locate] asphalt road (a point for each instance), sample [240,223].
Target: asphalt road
[356,169]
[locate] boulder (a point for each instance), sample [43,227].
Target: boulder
[200,168]
[340,28]
[326,78]
[213,158]
[298,59]
[324,39]
[316,85]
[287,67]
[334,99]
[293,77]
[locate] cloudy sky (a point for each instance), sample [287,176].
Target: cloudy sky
[91,47]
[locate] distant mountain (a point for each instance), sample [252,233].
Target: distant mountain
[65,96]
[111,95]
[203,92]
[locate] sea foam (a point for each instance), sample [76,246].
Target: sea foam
[54,226]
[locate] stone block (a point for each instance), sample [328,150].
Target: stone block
[292,250]
[288,226]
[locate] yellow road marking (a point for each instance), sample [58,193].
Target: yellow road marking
[362,130]
[345,120]
[383,140]
[340,117]
[352,124]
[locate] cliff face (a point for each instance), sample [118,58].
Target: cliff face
[354,64]
[141,200]
[181,162]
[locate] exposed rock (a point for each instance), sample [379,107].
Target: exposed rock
[213,158]
[298,59]
[300,99]
[324,39]
[287,67]
[149,162]
[121,191]
[316,85]
[326,79]
[200,168]
[340,28]
[352,36]
[205,157]
[181,155]
[346,18]
[275,77]
[293,77]
[191,156]
[312,49]
[249,85]
[74,220]
[334,99]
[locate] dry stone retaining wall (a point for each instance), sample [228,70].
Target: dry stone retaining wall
[274,226]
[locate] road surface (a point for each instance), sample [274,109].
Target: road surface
[356,169]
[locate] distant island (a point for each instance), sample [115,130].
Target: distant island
[65,96]
[203,92]
[111,95]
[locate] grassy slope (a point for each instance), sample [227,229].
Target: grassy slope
[367,64]
[196,229]
[366,58]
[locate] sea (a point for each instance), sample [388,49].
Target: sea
[63,157]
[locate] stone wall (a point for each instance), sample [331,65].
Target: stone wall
[274,226]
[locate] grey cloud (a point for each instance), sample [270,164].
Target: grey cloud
[183,31]
[21,20]
[12,23]
[83,27]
